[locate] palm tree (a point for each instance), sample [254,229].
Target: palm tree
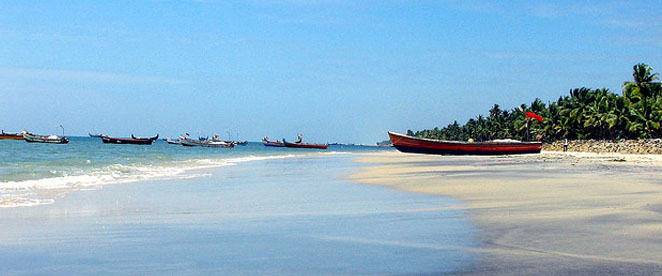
[641,92]
[643,85]
[584,113]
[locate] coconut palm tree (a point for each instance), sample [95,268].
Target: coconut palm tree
[641,92]
[584,113]
[643,84]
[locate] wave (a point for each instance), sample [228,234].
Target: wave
[27,192]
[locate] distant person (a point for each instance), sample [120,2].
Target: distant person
[565,145]
[299,138]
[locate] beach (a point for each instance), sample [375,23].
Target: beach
[293,215]
[547,214]
[350,210]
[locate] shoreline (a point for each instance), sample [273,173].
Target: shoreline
[553,213]
[31,192]
[258,218]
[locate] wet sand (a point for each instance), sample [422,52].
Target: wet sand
[547,214]
[293,216]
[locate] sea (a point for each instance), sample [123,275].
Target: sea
[30,172]
[91,208]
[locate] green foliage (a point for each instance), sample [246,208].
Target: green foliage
[584,114]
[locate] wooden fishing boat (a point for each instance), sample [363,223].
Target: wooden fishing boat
[274,144]
[12,136]
[268,143]
[305,145]
[172,142]
[406,143]
[204,143]
[95,135]
[133,141]
[53,139]
[241,143]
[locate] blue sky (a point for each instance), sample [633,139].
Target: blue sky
[334,70]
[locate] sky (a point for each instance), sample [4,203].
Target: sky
[334,70]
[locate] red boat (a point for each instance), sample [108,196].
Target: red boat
[305,145]
[406,143]
[12,136]
[134,140]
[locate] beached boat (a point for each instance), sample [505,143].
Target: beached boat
[133,141]
[204,143]
[305,145]
[406,143]
[53,139]
[12,136]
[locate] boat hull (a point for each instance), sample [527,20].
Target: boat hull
[112,140]
[32,138]
[405,143]
[207,144]
[11,137]
[274,144]
[171,141]
[305,146]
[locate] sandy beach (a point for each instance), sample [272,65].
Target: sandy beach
[252,218]
[547,214]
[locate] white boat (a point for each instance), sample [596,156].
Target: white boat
[205,143]
[52,139]
[172,142]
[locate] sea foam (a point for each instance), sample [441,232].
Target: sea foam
[27,192]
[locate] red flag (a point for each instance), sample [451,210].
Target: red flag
[534,116]
[188,134]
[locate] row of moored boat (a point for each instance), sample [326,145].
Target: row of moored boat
[186,141]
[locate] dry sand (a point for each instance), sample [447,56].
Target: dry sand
[547,214]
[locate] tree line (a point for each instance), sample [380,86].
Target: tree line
[583,114]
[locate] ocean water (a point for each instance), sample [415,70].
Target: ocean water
[284,212]
[33,174]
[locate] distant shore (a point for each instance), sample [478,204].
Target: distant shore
[547,214]
[644,146]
